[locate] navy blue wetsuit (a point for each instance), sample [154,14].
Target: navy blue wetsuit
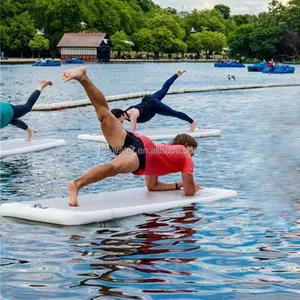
[152,105]
[21,110]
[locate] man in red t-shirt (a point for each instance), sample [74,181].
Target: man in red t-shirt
[136,154]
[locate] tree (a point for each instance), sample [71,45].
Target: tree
[208,41]
[194,43]
[8,9]
[224,10]
[120,41]
[258,39]
[243,19]
[240,42]
[147,5]
[21,31]
[212,41]
[39,43]
[144,40]
[177,46]
[289,46]
[131,17]
[4,37]
[265,37]
[166,31]
[210,20]
[58,17]
[276,9]
[163,19]
[292,15]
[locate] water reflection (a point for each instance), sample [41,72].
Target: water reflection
[148,251]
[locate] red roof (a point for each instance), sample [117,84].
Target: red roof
[81,40]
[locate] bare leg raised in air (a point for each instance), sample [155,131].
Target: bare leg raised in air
[113,131]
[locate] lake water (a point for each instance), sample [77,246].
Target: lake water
[241,248]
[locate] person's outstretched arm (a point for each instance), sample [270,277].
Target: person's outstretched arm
[133,121]
[188,184]
[154,185]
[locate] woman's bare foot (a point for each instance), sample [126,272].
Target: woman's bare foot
[77,73]
[193,127]
[44,83]
[180,72]
[29,134]
[73,194]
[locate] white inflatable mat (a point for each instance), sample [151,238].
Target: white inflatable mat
[159,134]
[21,146]
[107,205]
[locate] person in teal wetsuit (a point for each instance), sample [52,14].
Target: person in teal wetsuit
[11,114]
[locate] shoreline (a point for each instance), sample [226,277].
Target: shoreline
[32,60]
[17,60]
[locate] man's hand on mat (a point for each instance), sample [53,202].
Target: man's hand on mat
[180,72]
[29,134]
[180,185]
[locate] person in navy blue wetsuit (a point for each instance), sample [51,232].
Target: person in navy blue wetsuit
[152,105]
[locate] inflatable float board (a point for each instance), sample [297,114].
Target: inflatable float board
[107,205]
[21,146]
[159,134]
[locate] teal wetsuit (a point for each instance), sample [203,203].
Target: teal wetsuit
[6,114]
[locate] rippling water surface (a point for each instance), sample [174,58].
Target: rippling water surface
[242,248]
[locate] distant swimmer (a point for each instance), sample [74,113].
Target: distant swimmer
[152,105]
[231,77]
[11,114]
[135,153]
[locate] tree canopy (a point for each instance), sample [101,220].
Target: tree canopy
[274,33]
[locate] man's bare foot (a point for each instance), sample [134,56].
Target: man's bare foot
[44,83]
[76,73]
[193,127]
[180,72]
[29,134]
[73,194]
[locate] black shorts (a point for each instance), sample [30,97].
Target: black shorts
[136,144]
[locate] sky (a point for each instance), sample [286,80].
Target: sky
[236,6]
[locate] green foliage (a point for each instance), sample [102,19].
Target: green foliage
[207,41]
[9,9]
[265,37]
[194,43]
[120,41]
[39,43]
[151,27]
[210,20]
[4,37]
[212,41]
[21,31]
[224,10]
[144,40]
[240,42]
[243,19]
[58,17]
[147,5]
[256,40]
[292,16]
[164,20]
[166,31]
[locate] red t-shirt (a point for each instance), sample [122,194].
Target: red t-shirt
[165,159]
